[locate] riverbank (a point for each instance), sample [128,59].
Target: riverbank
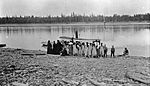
[34,67]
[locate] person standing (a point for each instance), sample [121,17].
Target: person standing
[86,49]
[80,50]
[112,51]
[98,50]
[101,50]
[59,47]
[71,48]
[49,47]
[90,50]
[75,51]
[94,53]
[54,47]
[105,50]
[83,49]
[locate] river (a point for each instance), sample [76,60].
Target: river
[136,37]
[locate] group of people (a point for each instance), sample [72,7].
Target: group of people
[54,48]
[94,49]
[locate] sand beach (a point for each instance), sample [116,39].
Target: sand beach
[20,67]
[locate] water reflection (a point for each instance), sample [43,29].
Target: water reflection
[135,37]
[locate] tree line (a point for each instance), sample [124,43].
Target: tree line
[73,18]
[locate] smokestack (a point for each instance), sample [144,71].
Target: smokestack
[76,34]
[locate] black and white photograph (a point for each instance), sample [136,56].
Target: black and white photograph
[74,42]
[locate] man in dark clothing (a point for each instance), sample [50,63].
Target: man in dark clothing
[49,47]
[105,51]
[54,48]
[63,52]
[112,51]
[59,47]
[126,52]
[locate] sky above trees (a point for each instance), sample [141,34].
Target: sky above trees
[87,7]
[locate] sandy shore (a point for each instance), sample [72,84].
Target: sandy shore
[19,67]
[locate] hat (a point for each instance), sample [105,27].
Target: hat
[70,43]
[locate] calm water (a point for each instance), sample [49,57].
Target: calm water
[134,36]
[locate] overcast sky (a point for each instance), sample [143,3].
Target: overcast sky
[56,7]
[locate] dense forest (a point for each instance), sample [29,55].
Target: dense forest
[73,18]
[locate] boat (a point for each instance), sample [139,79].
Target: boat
[69,38]
[76,38]
[2,45]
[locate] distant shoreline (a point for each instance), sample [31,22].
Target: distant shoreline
[70,24]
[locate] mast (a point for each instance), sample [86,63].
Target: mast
[104,27]
[104,23]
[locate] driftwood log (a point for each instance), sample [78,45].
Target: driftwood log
[19,84]
[95,83]
[32,54]
[139,77]
[70,82]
